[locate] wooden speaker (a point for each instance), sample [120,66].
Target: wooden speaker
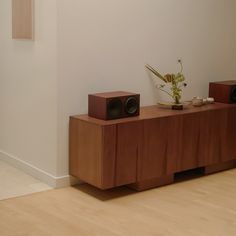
[113,105]
[223,91]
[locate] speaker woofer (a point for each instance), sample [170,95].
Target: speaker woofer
[114,108]
[131,105]
[233,95]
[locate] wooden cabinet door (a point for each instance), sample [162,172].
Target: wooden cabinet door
[108,156]
[190,144]
[212,136]
[153,162]
[183,139]
[128,151]
[86,151]
[229,146]
[174,143]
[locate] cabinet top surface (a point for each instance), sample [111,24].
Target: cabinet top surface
[229,82]
[113,94]
[152,112]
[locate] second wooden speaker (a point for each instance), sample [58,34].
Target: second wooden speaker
[223,91]
[113,105]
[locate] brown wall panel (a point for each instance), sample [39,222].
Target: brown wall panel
[22,19]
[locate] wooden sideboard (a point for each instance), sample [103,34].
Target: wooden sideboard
[148,150]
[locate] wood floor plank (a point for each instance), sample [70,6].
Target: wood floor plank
[200,207]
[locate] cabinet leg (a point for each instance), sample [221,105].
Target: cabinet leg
[152,183]
[220,167]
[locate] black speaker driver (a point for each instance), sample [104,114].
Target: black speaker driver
[114,108]
[131,105]
[233,95]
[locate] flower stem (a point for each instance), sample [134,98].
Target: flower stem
[155,72]
[177,100]
[166,92]
[181,64]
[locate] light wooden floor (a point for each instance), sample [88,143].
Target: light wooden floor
[204,206]
[14,182]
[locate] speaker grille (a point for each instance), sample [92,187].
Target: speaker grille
[114,108]
[233,95]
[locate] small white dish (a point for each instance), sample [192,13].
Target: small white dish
[197,101]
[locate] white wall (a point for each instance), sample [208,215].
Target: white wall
[86,46]
[104,45]
[28,90]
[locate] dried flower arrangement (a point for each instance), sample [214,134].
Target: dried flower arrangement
[175,80]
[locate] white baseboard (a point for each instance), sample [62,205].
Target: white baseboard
[51,180]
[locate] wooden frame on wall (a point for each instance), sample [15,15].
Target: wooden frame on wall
[22,19]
